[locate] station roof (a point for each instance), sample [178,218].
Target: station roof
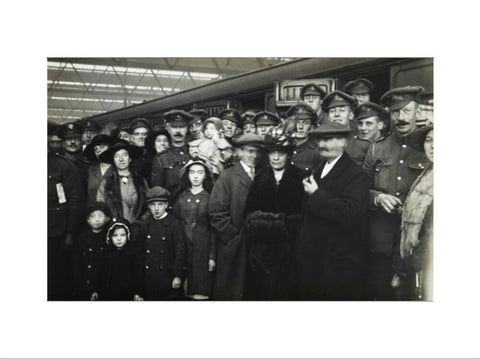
[83,87]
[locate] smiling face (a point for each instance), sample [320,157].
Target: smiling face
[161,143]
[370,127]
[139,135]
[195,129]
[229,127]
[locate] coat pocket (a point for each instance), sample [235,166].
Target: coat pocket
[383,173]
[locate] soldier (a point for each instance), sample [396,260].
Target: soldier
[54,142]
[66,199]
[166,165]
[90,130]
[359,89]
[230,121]
[393,166]
[140,129]
[227,210]
[313,96]
[265,121]
[304,154]
[71,134]
[248,126]
[195,126]
[371,121]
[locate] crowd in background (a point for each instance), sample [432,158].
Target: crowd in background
[334,201]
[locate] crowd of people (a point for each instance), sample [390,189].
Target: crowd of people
[332,202]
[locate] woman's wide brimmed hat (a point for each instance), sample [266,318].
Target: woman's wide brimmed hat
[190,163]
[89,151]
[133,151]
[417,138]
[282,143]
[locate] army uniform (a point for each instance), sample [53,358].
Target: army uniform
[314,90]
[393,166]
[306,157]
[167,164]
[66,199]
[357,149]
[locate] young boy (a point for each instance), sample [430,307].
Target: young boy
[88,252]
[163,247]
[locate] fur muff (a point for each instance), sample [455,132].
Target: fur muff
[268,241]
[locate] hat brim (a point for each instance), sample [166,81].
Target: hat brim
[133,152]
[417,139]
[182,170]
[271,148]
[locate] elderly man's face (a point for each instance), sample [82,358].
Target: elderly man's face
[405,120]
[72,144]
[341,114]
[370,127]
[177,133]
[331,148]
[138,136]
[313,101]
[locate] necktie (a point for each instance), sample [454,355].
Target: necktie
[251,173]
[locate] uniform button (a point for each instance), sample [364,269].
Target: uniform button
[404,146]
[163,238]
[148,250]
[161,267]
[294,152]
[397,194]
[89,249]
[149,236]
[181,152]
[292,163]
[89,266]
[399,178]
[49,176]
[401,161]
[376,169]
[183,162]
[197,200]
[188,200]
[146,267]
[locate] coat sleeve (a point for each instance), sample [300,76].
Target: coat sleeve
[345,209]
[157,173]
[219,209]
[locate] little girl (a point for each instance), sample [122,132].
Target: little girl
[191,208]
[208,147]
[121,268]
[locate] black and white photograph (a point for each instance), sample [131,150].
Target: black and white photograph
[239,179]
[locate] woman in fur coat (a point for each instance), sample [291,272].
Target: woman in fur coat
[273,211]
[416,243]
[123,190]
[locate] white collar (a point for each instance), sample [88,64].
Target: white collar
[246,168]
[328,166]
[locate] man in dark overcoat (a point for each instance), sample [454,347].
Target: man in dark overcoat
[331,251]
[227,215]
[66,200]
